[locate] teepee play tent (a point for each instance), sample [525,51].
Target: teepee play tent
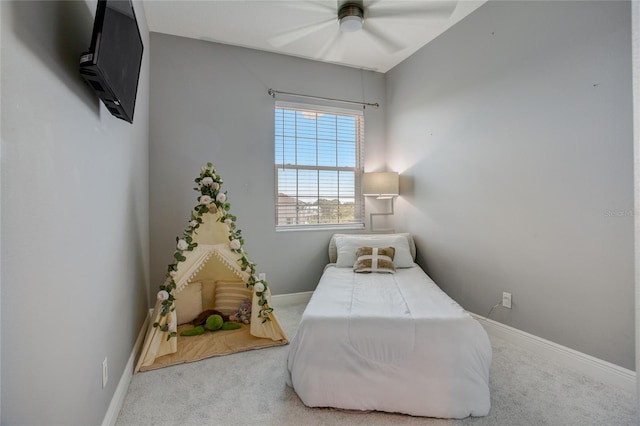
[211,271]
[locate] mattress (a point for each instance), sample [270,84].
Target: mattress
[389,342]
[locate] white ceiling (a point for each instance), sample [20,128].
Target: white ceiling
[393,29]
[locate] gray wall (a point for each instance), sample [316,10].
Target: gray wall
[635,36]
[513,133]
[209,102]
[74,220]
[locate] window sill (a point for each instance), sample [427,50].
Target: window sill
[291,228]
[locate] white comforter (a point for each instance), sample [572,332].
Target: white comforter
[389,342]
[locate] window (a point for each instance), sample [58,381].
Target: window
[318,167]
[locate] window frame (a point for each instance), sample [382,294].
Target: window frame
[359,213]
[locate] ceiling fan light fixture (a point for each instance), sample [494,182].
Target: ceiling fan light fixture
[351,17]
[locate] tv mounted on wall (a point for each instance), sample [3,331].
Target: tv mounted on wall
[112,64]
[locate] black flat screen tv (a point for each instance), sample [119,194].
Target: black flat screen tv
[112,64]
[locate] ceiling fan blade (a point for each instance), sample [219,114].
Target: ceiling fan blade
[314,6]
[333,49]
[410,9]
[382,40]
[295,34]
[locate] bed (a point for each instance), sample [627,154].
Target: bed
[390,342]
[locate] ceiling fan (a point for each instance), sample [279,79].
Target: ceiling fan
[358,16]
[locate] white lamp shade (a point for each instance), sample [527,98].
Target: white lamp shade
[381,184]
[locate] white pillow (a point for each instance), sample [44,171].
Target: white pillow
[347,245]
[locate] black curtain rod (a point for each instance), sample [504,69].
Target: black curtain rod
[273,94]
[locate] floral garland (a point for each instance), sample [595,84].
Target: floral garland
[211,199]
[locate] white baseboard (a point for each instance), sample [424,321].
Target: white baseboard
[125,379]
[291,298]
[595,368]
[123,385]
[598,369]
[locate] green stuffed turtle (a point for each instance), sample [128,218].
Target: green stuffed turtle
[213,322]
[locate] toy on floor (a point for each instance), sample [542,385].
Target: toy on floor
[244,313]
[202,318]
[211,322]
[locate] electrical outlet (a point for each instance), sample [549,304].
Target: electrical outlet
[105,373]
[262,276]
[506,300]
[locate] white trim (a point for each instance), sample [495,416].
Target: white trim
[117,400]
[337,227]
[595,368]
[290,170]
[279,300]
[123,385]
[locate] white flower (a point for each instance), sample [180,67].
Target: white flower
[235,244]
[215,185]
[207,181]
[193,223]
[247,269]
[258,287]
[221,198]
[228,222]
[172,326]
[182,245]
[163,295]
[202,170]
[173,274]
[205,200]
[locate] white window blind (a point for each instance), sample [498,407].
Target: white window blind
[318,160]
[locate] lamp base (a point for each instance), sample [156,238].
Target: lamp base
[371,215]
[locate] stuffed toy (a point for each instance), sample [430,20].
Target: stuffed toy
[195,331]
[202,318]
[244,313]
[212,322]
[230,326]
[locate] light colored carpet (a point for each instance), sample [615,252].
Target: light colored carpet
[249,388]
